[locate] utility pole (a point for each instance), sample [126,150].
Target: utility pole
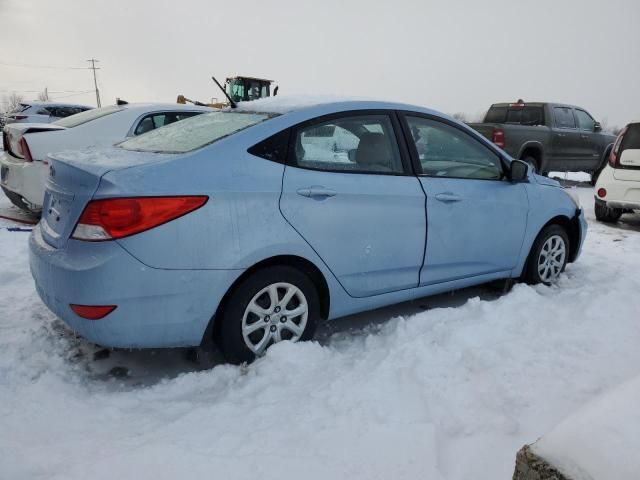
[95,82]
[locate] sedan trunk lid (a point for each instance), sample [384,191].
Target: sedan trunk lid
[73,179]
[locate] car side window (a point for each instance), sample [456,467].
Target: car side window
[358,144]
[273,148]
[585,121]
[446,151]
[145,125]
[157,120]
[62,112]
[43,111]
[564,117]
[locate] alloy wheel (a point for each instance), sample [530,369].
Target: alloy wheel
[277,312]
[551,258]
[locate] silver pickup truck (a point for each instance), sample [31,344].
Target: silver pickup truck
[549,136]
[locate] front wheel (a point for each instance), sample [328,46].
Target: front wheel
[607,214]
[275,304]
[548,256]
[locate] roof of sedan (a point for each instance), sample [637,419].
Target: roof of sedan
[149,106]
[286,104]
[39,103]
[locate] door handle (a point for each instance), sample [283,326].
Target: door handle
[560,135]
[448,197]
[584,136]
[316,191]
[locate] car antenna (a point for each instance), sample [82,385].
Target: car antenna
[231,102]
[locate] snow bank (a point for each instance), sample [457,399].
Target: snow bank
[601,440]
[444,393]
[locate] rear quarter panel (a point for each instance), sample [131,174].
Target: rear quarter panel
[240,224]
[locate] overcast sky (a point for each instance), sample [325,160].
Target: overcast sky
[454,56]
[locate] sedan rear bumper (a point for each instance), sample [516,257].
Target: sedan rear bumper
[25,179]
[155,307]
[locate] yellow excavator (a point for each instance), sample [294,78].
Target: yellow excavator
[237,89]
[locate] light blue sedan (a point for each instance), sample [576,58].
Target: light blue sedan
[251,227]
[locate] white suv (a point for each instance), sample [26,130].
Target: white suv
[618,187]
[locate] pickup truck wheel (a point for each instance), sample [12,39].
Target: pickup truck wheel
[607,214]
[533,163]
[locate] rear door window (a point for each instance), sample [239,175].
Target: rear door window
[564,117]
[358,144]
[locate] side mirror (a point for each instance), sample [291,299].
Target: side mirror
[518,171]
[597,127]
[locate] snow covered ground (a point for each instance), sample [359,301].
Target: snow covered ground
[600,440]
[449,387]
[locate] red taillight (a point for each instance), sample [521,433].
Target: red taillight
[93,312]
[498,137]
[613,157]
[114,218]
[602,192]
[23,150]
[19,117]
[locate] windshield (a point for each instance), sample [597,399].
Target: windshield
[194,132]
[87,116]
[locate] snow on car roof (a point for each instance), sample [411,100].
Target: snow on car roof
[292,103]
[165,106]
[288,103]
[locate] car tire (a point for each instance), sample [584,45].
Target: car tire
[251,320]
[533,163]
[548,256]
[607,214]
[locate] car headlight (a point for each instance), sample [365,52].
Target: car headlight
[574,197]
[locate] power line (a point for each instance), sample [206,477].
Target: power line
[73,94]
[26,65]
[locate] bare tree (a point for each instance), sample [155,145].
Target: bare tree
[10,102]
[460,116]
[43,96]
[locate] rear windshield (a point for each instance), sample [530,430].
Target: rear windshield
[20,108]
[631,139]
[87,116]
[194,132]
[527,115]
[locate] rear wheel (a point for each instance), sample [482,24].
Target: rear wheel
[607,214]
[548,256]
[275,304]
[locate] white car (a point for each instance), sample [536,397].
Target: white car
[42,112]
[24,165]
[618,186]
